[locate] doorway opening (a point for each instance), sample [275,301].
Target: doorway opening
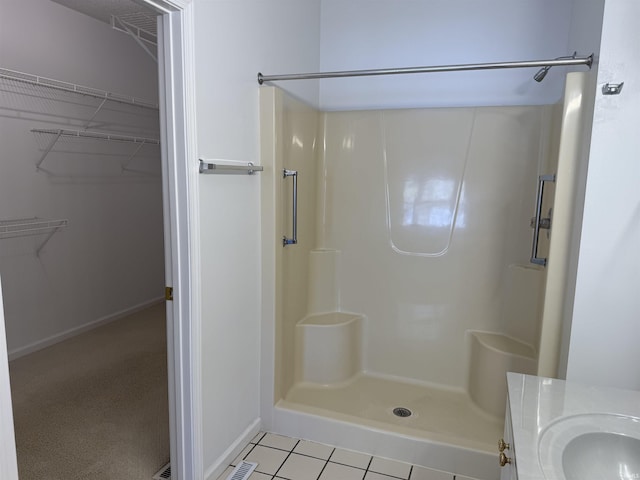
[68,169]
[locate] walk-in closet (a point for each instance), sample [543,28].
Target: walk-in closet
[81,239]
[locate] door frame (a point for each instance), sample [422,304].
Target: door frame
[8,460]
[176,73]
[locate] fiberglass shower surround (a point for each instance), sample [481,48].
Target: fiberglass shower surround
[410,285]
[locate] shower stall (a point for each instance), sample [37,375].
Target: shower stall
[398,287]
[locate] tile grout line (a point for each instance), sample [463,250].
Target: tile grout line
[310,456]
[290,452]
[286,458]
[306,455]
[325,464]
[331,454]
[348,465]
[284,449]
[387,474]
[254,445]
[327,461]
[367,469]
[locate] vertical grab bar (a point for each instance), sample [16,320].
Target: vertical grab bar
[537,220]
[294,238]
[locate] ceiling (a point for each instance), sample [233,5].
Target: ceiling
[126,10]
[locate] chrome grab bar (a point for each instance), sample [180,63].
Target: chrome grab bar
[294,238]
[538,222]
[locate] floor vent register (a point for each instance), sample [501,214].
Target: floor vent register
[164,473]
[242,471]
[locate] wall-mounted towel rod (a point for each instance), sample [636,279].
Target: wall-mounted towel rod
[207,166]
[588,61]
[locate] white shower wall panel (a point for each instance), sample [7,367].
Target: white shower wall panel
[457,187]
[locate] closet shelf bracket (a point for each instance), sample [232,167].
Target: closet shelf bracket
[142,36]
[126,163]
[95,114]
[48,149]
[25,227]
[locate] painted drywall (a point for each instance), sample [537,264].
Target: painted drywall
[110,257]
[234,40]
[605,329]
[365,34]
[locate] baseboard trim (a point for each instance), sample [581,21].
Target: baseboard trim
[222,462]
[59,337]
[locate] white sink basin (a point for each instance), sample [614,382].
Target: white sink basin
[591,446]
[602,455]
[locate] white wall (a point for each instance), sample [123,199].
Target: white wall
[234,40]
[605,328]
[110,258]
[364,34]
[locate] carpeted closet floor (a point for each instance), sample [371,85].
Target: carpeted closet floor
[95,406]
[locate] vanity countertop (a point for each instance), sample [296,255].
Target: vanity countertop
[547,414]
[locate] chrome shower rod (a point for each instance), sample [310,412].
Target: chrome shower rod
[588,61]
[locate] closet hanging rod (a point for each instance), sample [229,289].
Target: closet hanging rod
[37,80]
[588,61]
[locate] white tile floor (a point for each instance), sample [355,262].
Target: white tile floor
[287,458]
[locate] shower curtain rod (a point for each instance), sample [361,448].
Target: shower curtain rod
[588,61]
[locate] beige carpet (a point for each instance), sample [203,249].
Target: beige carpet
[95,406]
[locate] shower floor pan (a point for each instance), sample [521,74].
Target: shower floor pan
[445,430]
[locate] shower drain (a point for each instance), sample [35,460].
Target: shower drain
[401,412]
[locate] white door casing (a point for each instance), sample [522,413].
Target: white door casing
[180,172]
[8,461]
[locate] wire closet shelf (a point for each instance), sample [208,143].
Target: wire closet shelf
[61,86]
[63,91]
[26,227]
